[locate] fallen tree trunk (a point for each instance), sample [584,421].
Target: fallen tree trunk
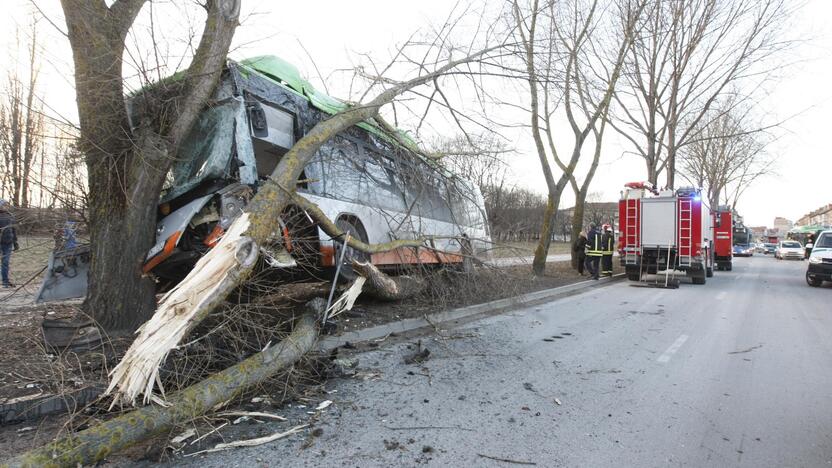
[388,288]
[96,443]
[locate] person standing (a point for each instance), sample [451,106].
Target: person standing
[580,252]
[8,241]
[593,251]
[607,242]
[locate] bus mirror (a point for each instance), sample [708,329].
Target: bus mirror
[259,124]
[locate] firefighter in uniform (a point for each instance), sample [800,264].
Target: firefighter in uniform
[593,251]
[606,249]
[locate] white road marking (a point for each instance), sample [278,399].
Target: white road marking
[672,349]
[736,277]
[721,295]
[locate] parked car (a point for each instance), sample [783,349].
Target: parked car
[769,248]
[789,249]
[820,261]
[743,250]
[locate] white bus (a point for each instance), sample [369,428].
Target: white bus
[376,187]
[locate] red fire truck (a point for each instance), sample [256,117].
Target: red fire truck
[664,230]
[723,238]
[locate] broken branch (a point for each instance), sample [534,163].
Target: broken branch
[96,443]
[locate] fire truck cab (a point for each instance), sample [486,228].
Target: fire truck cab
[723,238]
[665,230]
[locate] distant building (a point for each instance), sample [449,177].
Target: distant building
[820,217]
[782,224]
[758,232]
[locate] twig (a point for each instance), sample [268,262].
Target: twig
[252,414]
[209,433]
[406,428]
[250,442]
[507,460]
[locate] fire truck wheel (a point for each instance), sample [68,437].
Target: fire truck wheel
[709,272]
[729,267]
[698,277]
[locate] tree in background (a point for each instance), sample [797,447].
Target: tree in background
[22,139]
[686,54]
[728,154]
[561,44]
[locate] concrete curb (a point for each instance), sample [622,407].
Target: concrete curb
[488,308]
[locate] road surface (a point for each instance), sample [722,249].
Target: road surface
[737,372]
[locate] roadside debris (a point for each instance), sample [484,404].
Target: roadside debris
[506,460]
[345,367]
[747,350]
[419,356]
[250,442]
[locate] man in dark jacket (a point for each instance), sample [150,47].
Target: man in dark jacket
[580,252]
[8,241]
[593,251]
[607,242]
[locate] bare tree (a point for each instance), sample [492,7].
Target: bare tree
[685,55]
[728,155]
[480,158]
[21,127]
[558,40]
[127,164]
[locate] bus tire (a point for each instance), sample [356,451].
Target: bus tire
[355,229]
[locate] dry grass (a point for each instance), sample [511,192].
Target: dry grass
[31,258]
[526,249]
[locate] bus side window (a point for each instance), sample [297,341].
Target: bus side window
[341,169]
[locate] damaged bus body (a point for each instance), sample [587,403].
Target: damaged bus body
[372,185]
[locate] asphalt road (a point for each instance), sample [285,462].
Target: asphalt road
[737,372]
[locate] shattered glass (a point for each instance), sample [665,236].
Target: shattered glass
[205,152]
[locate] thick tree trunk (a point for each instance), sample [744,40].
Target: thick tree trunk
[542,249]
[126,168]
[96,443]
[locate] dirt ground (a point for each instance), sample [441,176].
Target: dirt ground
[26,271]
[29,370]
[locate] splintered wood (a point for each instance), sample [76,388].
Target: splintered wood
[179,311]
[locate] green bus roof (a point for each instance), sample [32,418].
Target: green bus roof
[278,70]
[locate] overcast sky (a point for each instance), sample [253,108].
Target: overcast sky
[335,32]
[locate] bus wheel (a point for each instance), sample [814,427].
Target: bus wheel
[354,228]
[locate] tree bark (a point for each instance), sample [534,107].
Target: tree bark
[385,287]
[126,170]
[96,443]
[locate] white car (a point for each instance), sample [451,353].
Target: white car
[820,261]
[789,249]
